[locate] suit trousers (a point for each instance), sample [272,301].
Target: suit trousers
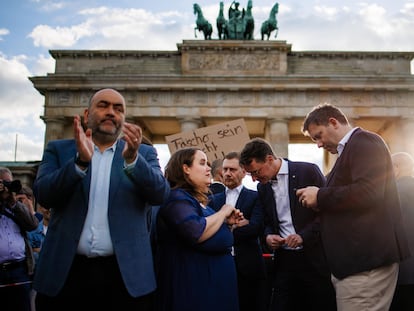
[251,293]
[403,298]
[15,285]
[96,282]
[298,284]
[369,290]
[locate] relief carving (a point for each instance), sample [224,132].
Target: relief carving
[234,62]
[84,99]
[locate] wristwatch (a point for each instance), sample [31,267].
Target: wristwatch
[81,163]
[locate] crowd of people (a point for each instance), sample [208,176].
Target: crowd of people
[105,227]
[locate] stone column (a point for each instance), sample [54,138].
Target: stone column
[55,128]
[406,142]
[277,133]
[189,123]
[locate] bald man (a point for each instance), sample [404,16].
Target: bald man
[100,186]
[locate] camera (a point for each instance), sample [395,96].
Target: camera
[12,186]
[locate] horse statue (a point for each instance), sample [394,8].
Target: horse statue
[221,23]
[270,24]
[248,22]
[202,24]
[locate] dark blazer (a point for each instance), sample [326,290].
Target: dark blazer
[247,249]
[60,187]
[305,221]
[360,209]
[405,186]
[217,187]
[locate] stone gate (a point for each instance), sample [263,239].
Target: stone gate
[206,82]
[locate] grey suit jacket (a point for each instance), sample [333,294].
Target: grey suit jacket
[60,187]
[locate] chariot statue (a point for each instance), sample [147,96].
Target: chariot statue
[239,26]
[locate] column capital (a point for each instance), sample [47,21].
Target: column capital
[54,119]
[189,119]
[55,127]
[277,120]
[189,123]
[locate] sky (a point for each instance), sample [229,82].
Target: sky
[30,28]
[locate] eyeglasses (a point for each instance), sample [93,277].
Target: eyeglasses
[255,173]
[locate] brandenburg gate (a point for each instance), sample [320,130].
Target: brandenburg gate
[265,82]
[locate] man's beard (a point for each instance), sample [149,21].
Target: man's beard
[105,135]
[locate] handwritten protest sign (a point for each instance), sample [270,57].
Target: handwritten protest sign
[216,140]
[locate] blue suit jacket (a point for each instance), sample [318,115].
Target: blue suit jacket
[305,221]
[59,186]
[247,248]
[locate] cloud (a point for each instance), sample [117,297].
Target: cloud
[3,32]
[392,31]
[367,27]
[408,9]
[374,18]
[20,109]
[327,27]
[105,28]
[59,37]
[51,6]
[330,13]
[19,146]
[42,65]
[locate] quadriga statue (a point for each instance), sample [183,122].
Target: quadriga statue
[238,26]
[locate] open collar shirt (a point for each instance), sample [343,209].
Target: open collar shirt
[281,194]
[95,239]
[233,194]
[343,141]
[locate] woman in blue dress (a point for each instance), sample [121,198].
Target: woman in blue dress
[196,270]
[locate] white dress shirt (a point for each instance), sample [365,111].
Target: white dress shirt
[232,195]
[343,141]
[281,193]
[95,239]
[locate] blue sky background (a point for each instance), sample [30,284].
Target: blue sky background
[30,28]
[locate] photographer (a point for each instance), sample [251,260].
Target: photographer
[16,256]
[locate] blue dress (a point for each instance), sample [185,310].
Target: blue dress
[193,276]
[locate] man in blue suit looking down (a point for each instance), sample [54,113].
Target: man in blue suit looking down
[301,274]
[100,185]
